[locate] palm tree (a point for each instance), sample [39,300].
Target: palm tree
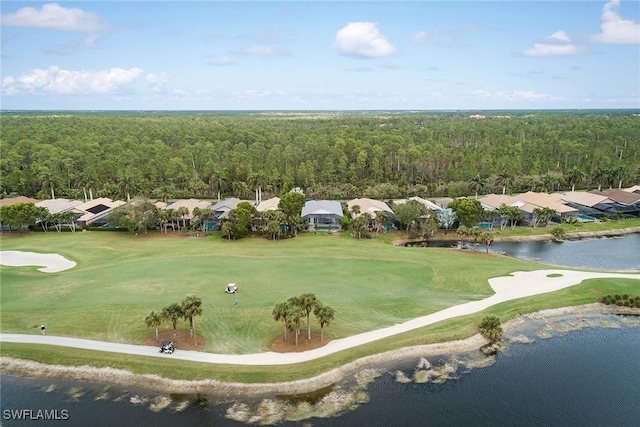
[490,327]
[505,180]
[308,302]
[477,183]
[127,185]
[219,180]
[295,314]
[183,211]
[475,233]
[48,179]
[463,231]
[487,238]
[280,313]
[172,312]
[325,315]
[381,219]
[192,307]
[575,176]
[153,320]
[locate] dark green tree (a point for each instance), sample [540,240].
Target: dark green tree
[490,327]
[468,211]
[291,205]
[154,320]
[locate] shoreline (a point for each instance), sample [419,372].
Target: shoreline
[571,235]
[27,368]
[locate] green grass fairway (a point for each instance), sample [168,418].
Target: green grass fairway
[120,278]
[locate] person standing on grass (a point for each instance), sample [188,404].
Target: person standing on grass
[42,328]
[236,303]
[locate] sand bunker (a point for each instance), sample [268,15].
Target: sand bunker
[51,263]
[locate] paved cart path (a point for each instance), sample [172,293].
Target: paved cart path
[518,285]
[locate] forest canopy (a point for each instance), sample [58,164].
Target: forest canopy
[330,155]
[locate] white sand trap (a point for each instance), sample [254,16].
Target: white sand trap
[51,263]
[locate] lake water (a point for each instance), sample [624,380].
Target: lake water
[568,371]
[605,253]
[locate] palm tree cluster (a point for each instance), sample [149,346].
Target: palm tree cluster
[188,309]
[294,310]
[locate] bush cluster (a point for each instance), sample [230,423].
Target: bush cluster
[621,300]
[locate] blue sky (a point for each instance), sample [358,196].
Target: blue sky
[320,55]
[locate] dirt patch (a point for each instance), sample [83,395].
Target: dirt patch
[279,345]
[181,340]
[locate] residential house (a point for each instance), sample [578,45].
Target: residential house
[221,209]
[623,202]
[323,215]
[95,212]
[190,205]
[372,207]
[268,205]
[589,205]
[7,201]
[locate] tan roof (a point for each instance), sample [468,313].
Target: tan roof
[544,200]
[429,204]
[55,206]
[581,198]
[496,200]
[620,196]
[190,204]
[634,189]
[100,211]
[7,201]
[369,205]
[99,201]
[269,204]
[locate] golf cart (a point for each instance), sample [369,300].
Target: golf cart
[167,347]
[232,288]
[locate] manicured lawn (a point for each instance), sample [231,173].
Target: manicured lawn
[120,278]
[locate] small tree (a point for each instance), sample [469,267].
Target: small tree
[490,327]
[172,312]
[468,211]
[559,233]
[325,315]
[191,307]
[487,238]
[153,320]
[308,302]
[280,313]
[446,218]
[295,314]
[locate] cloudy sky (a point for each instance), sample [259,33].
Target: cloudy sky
[320,55]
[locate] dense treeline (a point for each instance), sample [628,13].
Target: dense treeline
[329,155]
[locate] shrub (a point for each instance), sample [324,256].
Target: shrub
[558,232]
[490,327]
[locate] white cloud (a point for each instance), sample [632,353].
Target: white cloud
[516,95]
[362,39]
[157,82]
[56,17]
[557,44]
[222,60]
[55,80]
[616,30]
